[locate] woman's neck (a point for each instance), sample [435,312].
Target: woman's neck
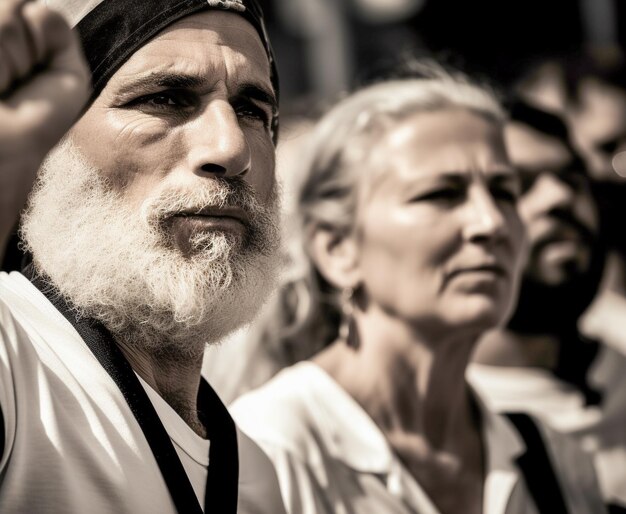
[407,384]
[414,389]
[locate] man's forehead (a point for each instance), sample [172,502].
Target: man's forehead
[526,144]
[525,139]
[114,30]
[201,49]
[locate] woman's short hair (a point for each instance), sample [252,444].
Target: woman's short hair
[341,144]
[306,314]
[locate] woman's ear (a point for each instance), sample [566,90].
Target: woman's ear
[335,256]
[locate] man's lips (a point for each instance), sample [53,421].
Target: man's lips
[558,228]
[561,238]
[215,216]
[226,219]
[563,233]
[225,213]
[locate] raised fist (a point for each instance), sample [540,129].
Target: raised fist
[44,84]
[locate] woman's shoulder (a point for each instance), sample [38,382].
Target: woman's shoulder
[282,412]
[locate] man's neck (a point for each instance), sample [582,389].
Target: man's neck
[502,347]
[176,380]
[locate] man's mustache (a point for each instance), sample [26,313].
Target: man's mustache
[568,219]
[228,192]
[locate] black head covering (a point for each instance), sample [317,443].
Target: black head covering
[112,30]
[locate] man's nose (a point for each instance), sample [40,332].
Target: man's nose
[219,146]
[485,221]
[554,192]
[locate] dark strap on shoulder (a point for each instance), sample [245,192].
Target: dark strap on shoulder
[2,434]
[537,469]
[223,471]
[223,475]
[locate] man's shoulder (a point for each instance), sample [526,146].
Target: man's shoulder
[573,466]
[16,291]
[23,305]
[12,298]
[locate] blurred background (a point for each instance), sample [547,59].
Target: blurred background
[564,56]
[324,46]
[327,47]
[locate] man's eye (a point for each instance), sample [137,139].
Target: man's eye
[250,111]
[575,179]
[608,147]
[527,180]
[165,100]
[505,194]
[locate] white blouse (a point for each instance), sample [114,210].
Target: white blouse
[332,458]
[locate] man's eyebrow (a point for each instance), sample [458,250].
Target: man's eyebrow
[503,177]
[165,80]
[260,94]
[462,176]
[168,80]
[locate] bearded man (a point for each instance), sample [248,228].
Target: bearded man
[152,231]
[542,362]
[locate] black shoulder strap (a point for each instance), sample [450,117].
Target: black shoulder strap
[223,472]
[2,432]
[537,468]
[223,476]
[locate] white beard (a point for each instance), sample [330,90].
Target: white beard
[122,268]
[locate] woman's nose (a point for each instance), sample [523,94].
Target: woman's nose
[485,221]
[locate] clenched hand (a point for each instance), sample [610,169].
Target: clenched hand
[44,83]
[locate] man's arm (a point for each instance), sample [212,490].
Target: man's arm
[44,83]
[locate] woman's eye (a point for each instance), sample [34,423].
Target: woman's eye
[440,195]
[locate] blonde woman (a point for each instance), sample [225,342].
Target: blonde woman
[409,214]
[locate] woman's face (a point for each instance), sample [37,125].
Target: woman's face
[438,234]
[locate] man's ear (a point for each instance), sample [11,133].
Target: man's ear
[335,256]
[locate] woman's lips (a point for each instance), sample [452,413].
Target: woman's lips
[484,269]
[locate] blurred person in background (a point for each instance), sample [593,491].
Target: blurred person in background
[409,219]
[597,118]
[541,362]
[152,232]
[588,89]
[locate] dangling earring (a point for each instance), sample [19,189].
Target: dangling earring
[347,329]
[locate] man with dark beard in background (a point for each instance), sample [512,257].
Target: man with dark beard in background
[541,363]
[152,231]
